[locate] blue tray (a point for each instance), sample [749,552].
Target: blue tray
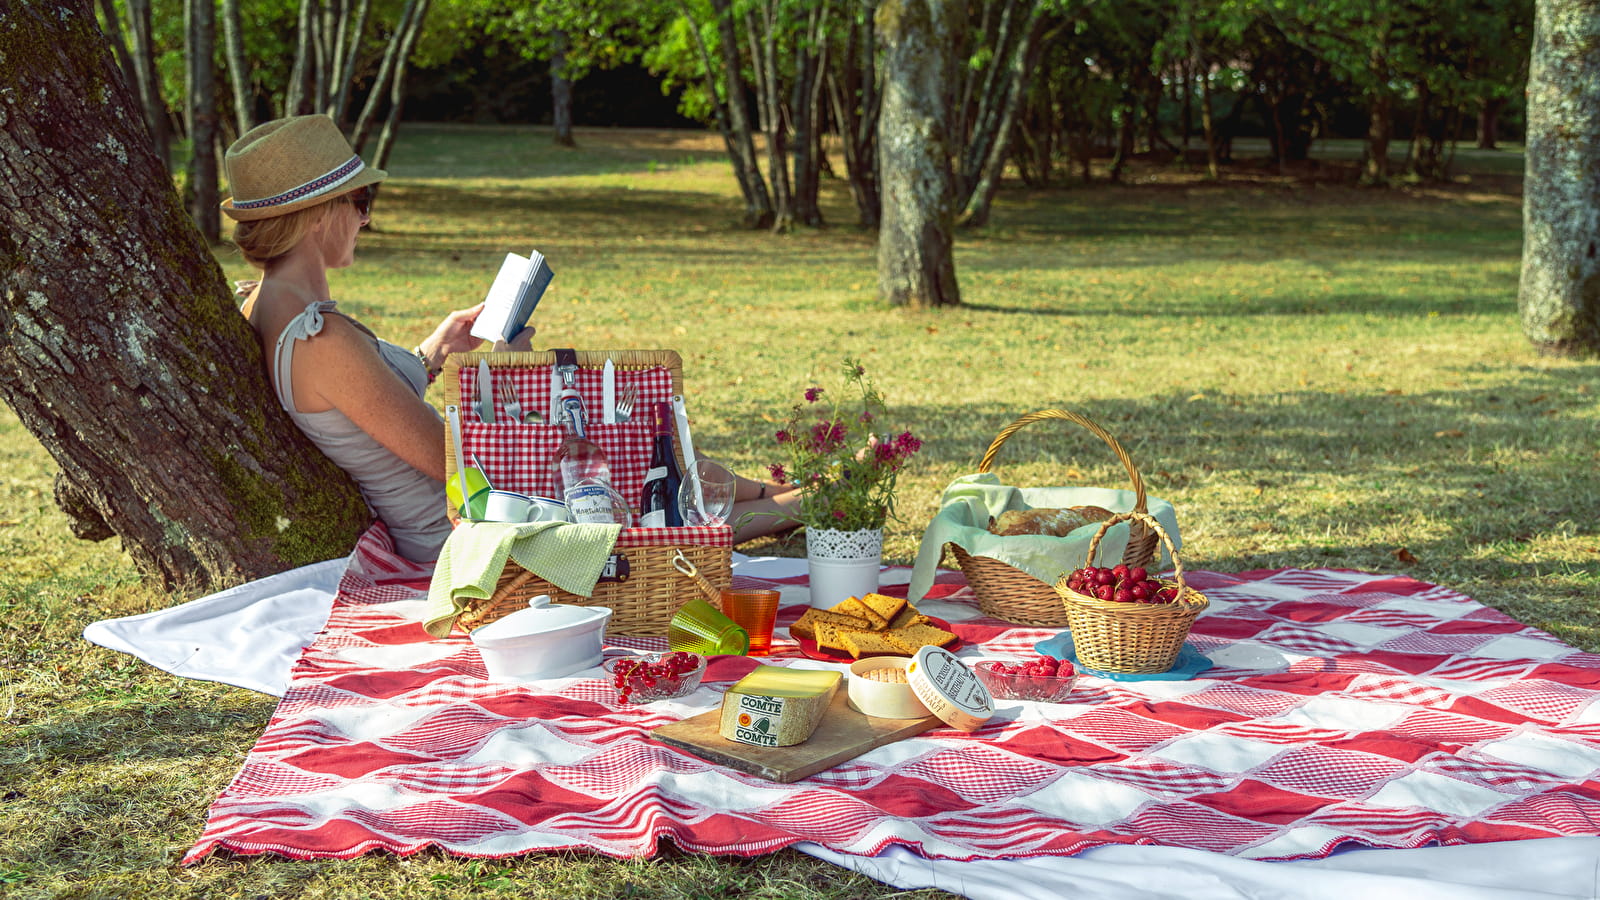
[1190,662]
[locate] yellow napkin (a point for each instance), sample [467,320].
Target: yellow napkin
[567,555]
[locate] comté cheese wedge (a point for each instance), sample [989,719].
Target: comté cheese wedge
[777,707]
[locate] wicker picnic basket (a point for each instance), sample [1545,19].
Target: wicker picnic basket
[640,584]
[1010,594]
[1132,638]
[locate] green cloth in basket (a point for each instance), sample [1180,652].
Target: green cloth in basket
[569,556]
[969,502]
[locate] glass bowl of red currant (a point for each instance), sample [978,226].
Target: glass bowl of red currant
[655,676]
[1043,679]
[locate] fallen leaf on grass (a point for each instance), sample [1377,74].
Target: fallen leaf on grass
[1450,433]
[1405,556]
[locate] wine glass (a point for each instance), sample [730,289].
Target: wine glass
[705,496]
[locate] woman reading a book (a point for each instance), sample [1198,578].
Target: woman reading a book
[300,198]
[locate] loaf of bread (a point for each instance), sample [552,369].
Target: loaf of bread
[1052,522]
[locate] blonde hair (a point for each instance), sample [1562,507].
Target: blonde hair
[263,241]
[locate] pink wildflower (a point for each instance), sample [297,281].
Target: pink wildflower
[784,437]
[812,393]
[777,472]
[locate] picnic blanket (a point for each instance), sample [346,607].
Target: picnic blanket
[1345,709]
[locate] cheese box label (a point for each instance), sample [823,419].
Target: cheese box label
[757,719]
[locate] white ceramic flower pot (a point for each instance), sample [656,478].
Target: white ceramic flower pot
[843,564]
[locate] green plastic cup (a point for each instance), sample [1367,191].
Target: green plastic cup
[699,627]
[477,493]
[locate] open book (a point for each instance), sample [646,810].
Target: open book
[511,299]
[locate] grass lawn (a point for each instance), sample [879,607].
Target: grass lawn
[1316,375]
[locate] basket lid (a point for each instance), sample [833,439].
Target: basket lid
[949,689]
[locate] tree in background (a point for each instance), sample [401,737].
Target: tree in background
[120,349]
[1559,297]
[200,17]
[916,263]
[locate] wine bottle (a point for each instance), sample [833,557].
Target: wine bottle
[658,505]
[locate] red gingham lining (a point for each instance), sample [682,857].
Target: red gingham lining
[521,458]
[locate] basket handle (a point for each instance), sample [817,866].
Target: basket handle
[1141,541]
[1154,527]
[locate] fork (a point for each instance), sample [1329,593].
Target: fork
[508,396]
[624,407]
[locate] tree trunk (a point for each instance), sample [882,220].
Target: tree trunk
[392,62]
[1208,122]
[148,82]
[560,91]
[411,30]
[1559,297]
[757,201]
[238,66]
[916,261]
[344,76]
[853,87]
[295,99]
[120,349]
[763,37]
[805,102]
[202,92]
[741,149]
[976,205]
[1379,129]
[1489,122]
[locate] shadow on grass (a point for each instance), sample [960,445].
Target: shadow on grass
[1457,472]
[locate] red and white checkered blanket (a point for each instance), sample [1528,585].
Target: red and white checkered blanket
[1344,708]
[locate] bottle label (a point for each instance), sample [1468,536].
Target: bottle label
[653,519]
[655,473]
[591,503]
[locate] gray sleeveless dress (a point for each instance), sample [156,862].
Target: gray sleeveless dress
[410,503]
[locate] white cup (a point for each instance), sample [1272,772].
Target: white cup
[546,509]
[506,506]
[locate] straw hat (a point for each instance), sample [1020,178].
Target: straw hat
[289,164]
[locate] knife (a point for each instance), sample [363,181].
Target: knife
[485,393]
[452,415]
[608,392]
[682,415]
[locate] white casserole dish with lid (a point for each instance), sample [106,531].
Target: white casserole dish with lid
[543,641]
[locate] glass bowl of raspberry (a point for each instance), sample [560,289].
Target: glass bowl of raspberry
[655,676]
[1043,679]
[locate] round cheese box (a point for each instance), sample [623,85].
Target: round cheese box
[949,689]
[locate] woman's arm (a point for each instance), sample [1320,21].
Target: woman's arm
[343,369]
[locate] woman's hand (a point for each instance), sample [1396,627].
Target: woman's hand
[454,335]
[523,341]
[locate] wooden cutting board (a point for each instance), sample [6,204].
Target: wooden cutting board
[844,734]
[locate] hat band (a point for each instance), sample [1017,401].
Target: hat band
[313,188]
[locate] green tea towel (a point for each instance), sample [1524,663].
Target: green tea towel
[567,555]
[969,502]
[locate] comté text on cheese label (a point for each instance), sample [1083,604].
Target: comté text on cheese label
[758,720]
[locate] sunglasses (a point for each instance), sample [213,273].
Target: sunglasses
[361,199]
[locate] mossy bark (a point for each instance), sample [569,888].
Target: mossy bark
[1559,297]
[916,262]
[120,349]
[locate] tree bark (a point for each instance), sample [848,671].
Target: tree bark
[120,350]
[805,102]
[916,261]
[1208,123]
[202,92]
[741,150]
[350,51]
[1559,295]
[560,91]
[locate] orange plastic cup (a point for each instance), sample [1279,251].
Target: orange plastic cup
[755,611]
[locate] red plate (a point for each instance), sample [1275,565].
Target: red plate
[810,648]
